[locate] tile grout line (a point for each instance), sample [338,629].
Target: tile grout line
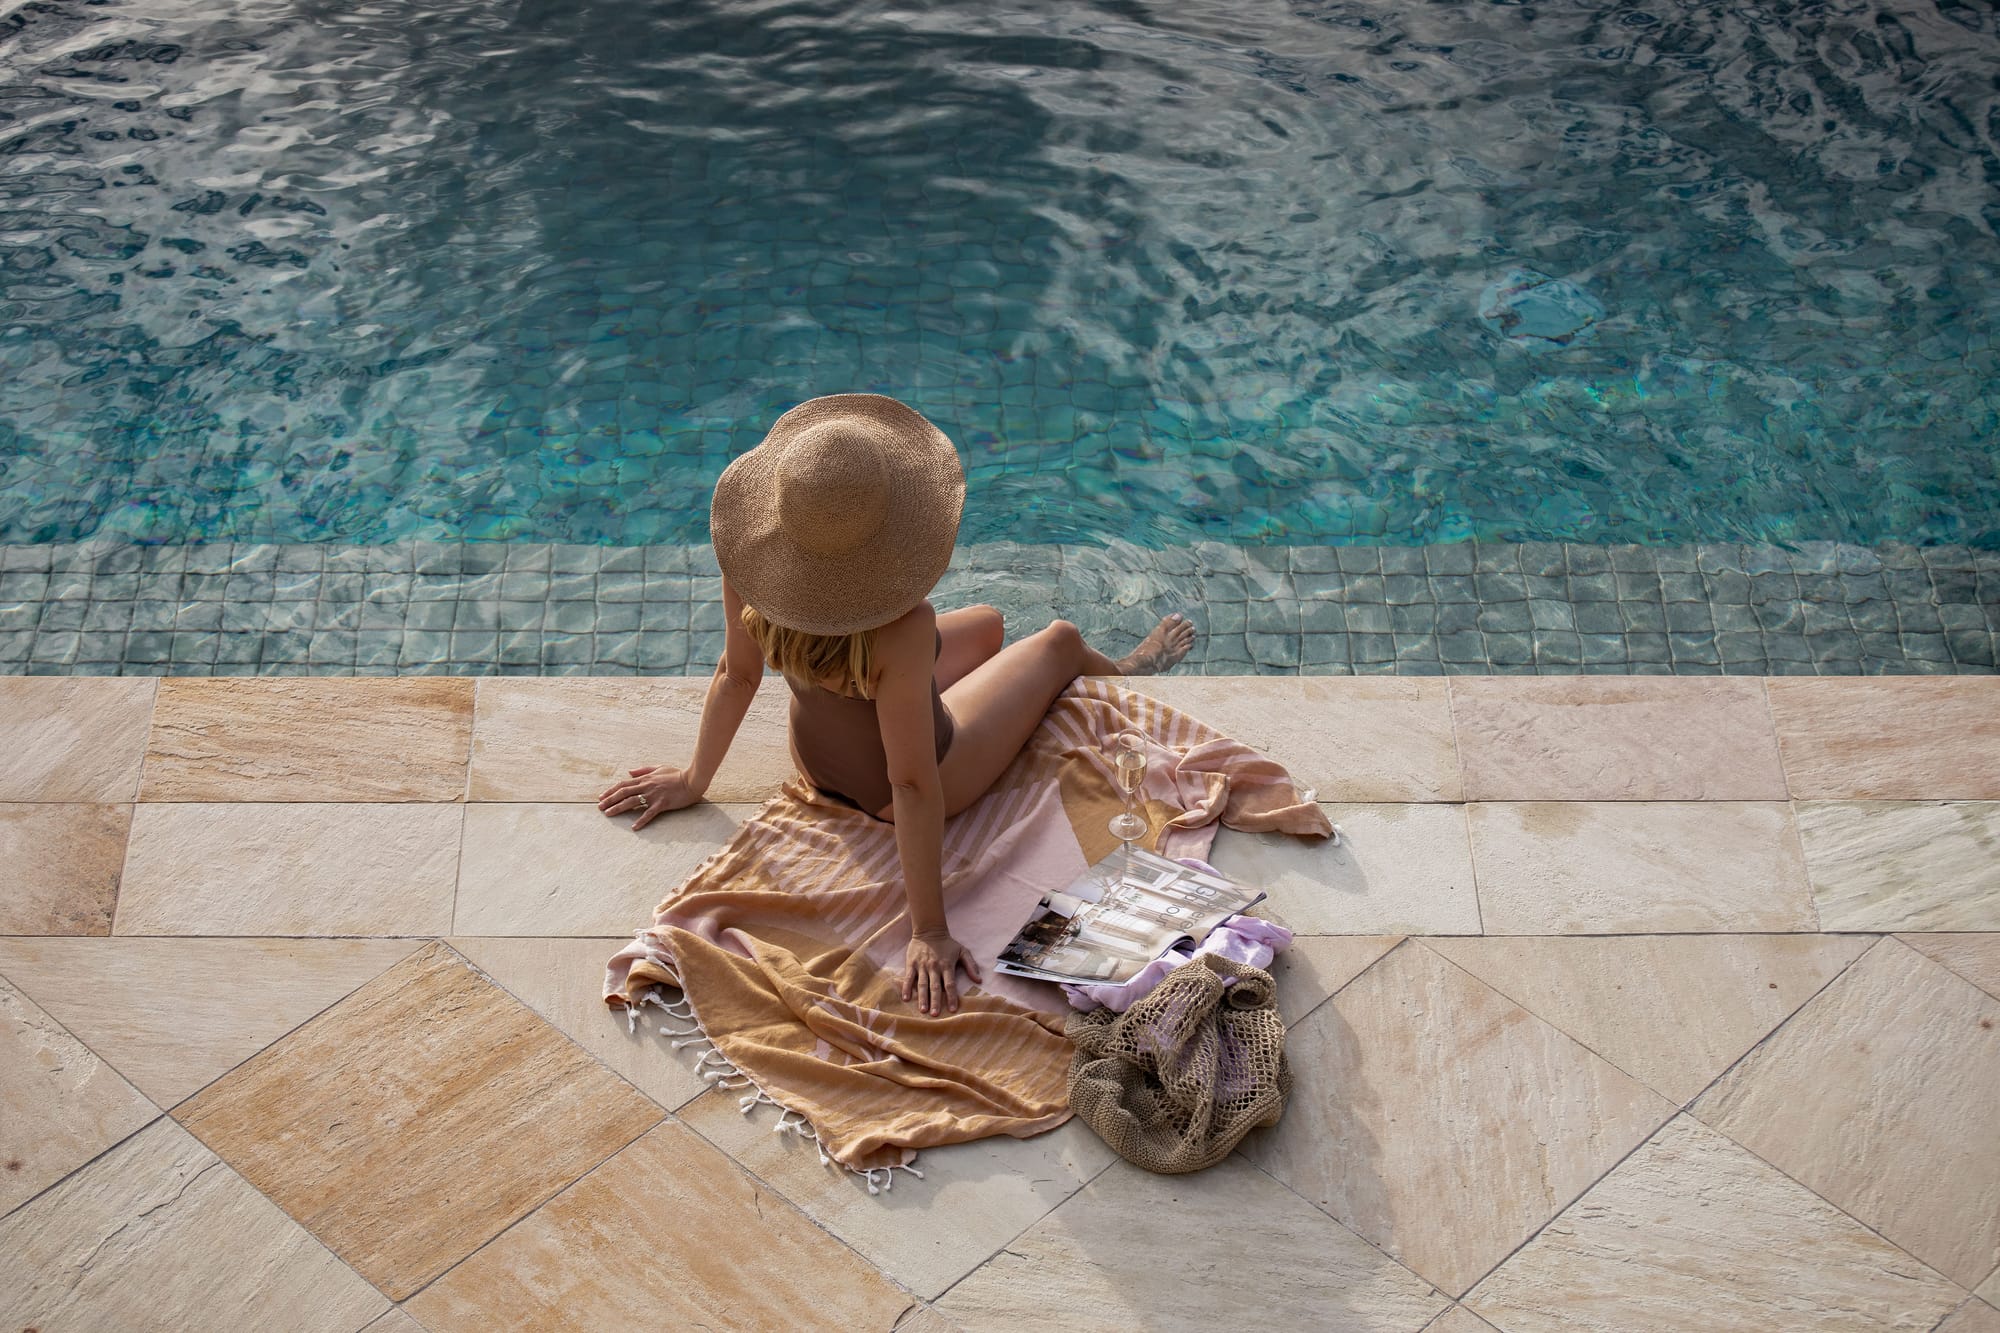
[131,823]
[1688,1109]
[540,1204]
[1898,935]
[667,1113]
[1465,803]
[415,943]
[1259,1167]
[1325,999]
[1002,1247]
[98,1156]
[218,1161]
[1778,1027]
[798,1207]
[298,1221]
[1570,1203]
[1798,838]
[420,942]
[1955,1311]
[504,989]
[1593,1183]
[1651,935]
[64,1028]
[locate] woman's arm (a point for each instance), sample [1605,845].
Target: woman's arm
[735,683]
[906,652]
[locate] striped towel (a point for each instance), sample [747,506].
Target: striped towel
[787,944]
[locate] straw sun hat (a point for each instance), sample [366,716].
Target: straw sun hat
[843,518]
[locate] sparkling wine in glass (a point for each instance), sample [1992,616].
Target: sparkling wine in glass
[1128,767]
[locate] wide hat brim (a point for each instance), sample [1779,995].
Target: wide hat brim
[905,517]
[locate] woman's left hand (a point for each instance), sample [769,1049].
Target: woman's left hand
[931,968]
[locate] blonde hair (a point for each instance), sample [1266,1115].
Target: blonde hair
[847,660]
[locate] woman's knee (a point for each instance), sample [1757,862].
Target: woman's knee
[1064,637]
[990,625]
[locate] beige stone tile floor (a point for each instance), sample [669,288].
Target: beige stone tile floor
[1623,1004]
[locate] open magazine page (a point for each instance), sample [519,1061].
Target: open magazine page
[1110,923]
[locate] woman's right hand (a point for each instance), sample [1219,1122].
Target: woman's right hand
[652,791]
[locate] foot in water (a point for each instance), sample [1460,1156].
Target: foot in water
[1167,644]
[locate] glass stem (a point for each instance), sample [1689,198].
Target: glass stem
[1129,814]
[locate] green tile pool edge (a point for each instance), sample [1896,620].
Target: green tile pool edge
[1472,607]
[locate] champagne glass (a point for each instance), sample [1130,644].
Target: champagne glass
[1128,767]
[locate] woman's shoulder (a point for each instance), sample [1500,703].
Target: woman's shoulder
[916,625]
[909,642]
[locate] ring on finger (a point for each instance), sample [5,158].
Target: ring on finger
[641,800]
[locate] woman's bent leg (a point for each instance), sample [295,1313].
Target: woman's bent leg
[971,636]
[998,705]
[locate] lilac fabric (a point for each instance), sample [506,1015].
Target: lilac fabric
[1241,939]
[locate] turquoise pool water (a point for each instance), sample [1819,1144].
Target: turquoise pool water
[1260,272]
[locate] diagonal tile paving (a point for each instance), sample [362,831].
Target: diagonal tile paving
[184,1012]
[923,1319]
[563,981]
[567,740]
[1974,956]
[1315,966]
[1691,1231]
[571,870]
[216,868]
[1356,739]
[1451,1106]
[1458,1319]
[1574,867]
[671,1228]
[1890,737]
[159,1234]
[1671,1010]
[973,1199]
[62,864]
[393,1320]
[1975,1316]
[1442,1121]
[1893,865]
[1132,1250]
[309,739]
[1396,869]
[63,1105]
[1601,738]
[1879,1095]
[417,1119]
[71,739]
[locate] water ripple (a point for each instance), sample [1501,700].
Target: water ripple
[281,271]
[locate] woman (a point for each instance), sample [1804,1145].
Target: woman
[830,535]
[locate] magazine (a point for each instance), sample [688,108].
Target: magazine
[1110,923]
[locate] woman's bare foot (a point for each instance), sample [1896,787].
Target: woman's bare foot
[1167,644]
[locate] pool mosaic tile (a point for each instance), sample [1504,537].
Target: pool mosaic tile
[419,608]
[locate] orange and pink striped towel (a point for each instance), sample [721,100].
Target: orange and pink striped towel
[787,944]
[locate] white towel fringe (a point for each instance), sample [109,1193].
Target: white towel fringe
[718,1071]
[679,1009]
[888,1177]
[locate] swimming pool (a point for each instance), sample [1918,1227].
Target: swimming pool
[1303,274]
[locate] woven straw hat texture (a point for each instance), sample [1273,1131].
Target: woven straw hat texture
[1177,1080]
[843,518]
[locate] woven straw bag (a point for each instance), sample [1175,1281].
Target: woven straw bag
[1175,1081]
